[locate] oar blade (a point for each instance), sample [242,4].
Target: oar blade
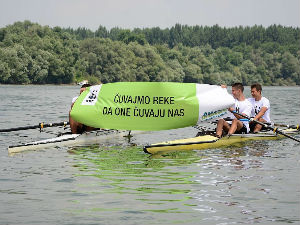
[40,126]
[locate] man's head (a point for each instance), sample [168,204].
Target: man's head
[83,87]
[237,90]
[256,91]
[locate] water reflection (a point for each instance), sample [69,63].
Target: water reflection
[144,184]
[178,182]
[247,155]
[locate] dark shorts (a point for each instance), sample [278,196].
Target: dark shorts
[243,130]
[81,129]
[252,126]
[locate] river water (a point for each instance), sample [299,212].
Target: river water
[257,182]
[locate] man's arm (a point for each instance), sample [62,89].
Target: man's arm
[245,112]
[232,110]
[261,113]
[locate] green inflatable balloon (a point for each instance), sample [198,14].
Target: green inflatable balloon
[150,105]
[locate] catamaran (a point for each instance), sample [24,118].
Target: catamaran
[149,106]
[205,140]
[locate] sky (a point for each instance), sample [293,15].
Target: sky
[131,14]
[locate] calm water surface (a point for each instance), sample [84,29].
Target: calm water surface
[257,182]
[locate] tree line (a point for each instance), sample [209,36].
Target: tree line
[35,54]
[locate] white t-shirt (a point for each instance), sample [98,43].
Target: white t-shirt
[74,99]
[243,107]
[257,105]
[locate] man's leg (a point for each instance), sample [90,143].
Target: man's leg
[235,126]
[74,125]
[258,127]
[222,125]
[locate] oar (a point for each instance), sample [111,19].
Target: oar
[287,126]
[297,127]
[269,127]
[41,125]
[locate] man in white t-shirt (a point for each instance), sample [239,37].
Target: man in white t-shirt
[242,106]
[76,127]
[82,89]
[260,108]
